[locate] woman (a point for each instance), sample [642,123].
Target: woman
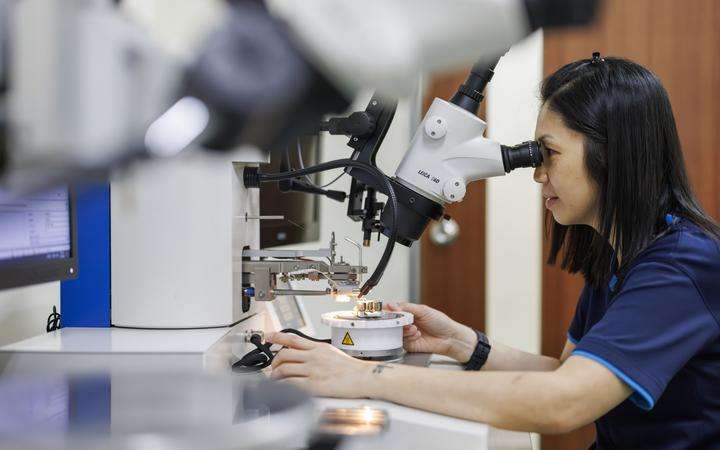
[642,358]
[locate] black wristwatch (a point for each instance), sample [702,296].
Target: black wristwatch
[480,354]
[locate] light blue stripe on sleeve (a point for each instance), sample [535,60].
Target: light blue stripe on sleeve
[640,397]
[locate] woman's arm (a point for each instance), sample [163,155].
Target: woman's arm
[576,393]
[435,332]
[560,401]
[503,357]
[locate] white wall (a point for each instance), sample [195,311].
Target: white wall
[24,311]
[514,214]
[514,209]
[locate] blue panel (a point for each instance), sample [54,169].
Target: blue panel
[89,404]
[86,300]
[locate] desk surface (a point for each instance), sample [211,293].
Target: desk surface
[414,429]
[409,428]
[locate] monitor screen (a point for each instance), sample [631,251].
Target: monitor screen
[37,237]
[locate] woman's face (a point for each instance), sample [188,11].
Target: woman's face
[569,193]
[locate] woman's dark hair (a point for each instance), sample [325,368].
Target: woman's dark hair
[632,154]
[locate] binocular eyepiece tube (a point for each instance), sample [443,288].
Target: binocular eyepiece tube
[526,154]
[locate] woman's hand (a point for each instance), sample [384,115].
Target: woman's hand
[319,368]
[435,332]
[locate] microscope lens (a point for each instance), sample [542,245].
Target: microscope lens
[526,154]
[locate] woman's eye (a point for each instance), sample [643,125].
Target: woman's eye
[550,151]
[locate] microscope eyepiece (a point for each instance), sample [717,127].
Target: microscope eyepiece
[526,154]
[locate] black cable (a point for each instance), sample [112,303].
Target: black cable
[212,327]
[331,182]
[392,200]
[261,356]
[257,359]
[303,335]
[301,163]
[302,166]
[53,321]
[298,185]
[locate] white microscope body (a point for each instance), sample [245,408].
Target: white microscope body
[449,151]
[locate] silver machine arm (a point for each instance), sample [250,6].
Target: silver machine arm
[264,268]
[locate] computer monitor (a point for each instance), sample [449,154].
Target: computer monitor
[37,237]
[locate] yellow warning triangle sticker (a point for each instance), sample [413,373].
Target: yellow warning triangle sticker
[347,340]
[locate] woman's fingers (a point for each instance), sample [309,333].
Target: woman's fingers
[412,338]
[409,330]
[290,340]
[397,306]
[289,370]
[289,355]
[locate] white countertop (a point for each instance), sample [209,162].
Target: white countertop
[408,427]
[119,340]
[411,428]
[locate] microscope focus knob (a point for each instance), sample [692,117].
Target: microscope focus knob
[435,127]
[454,190]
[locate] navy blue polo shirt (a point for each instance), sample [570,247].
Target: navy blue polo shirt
[660,334]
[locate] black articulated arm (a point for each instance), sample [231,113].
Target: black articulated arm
[414,209]
[362,204]
[359,123]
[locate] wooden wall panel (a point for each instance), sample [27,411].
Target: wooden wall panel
[680,42]
[453,277]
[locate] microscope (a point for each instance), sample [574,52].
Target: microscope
[448,151]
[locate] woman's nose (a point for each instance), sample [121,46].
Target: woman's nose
[540,175]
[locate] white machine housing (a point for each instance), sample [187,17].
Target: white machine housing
[370,338]
[178,228]
[447,152]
